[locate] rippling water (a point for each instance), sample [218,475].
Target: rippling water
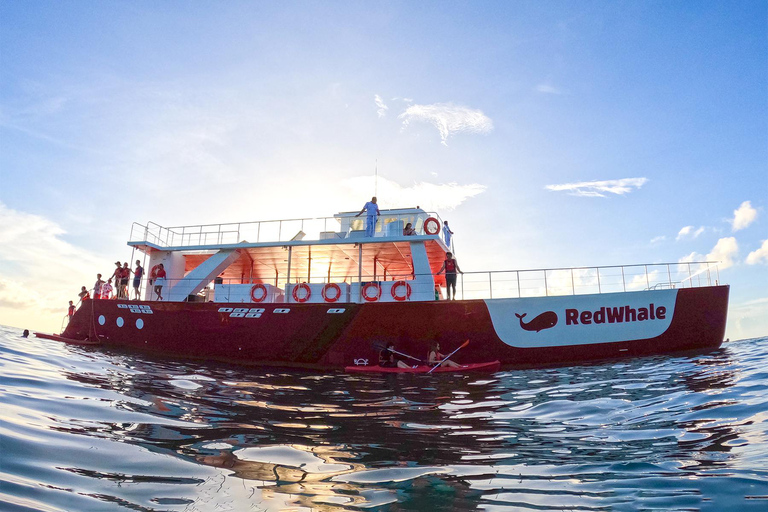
[86,429]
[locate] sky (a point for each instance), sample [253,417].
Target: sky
[549,133]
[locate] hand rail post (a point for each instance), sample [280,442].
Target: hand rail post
[517,272]
[490,286]
[546,286]
[573,284]
[599,286]
[669,275]
[647,279]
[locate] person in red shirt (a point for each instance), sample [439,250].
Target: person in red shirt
[116,276]
[84,295]
[451,266]
[159,280]
[125,276]
[71,311]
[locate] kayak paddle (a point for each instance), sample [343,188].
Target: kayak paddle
[449,356]
[380,347]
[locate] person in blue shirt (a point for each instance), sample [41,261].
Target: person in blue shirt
[372,210]
[447,233]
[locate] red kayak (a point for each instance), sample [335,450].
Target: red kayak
[491,366]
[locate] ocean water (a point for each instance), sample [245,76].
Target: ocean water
[88,429]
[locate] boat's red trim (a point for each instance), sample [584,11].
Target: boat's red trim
[490,366]
[334,335]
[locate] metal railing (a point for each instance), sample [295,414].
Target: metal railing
[512,283]
[587,280]
[322,228]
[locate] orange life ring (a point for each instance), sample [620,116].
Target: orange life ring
[331,286]
[397,285]
[255,287]
[428,222]
[364,291]
[298,287]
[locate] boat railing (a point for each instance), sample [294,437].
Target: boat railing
[485,284]
[342,226]
[587,280]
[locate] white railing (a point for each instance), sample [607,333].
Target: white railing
[322,228]
[522,283]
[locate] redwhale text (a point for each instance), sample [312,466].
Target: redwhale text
[612,315]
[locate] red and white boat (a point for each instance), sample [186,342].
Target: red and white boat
[318,293]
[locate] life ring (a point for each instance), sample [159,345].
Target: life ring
[364,291]
[331,286]
[261,287]
[397,285]
[298,287]
[429,221]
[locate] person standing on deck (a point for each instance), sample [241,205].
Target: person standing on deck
[451,266]
[106,289]
[116,276]
[71,311]
[137,275]
[447,234]
[97,287]
[159,281]
[125,276]
[372,210]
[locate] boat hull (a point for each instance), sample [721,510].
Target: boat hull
[524,332]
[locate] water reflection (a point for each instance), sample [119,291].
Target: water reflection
[592,437]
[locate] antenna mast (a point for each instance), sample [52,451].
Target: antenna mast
[376,179]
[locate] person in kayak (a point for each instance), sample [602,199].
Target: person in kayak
[451,267]
[388,359]
[435,357]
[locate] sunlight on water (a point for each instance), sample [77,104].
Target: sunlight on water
[87,429]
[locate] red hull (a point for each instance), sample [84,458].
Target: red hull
[489,367]
[317,335]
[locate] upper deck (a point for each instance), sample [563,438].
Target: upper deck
[281,254]
[302,250]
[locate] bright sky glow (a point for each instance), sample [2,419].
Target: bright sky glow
[548,133]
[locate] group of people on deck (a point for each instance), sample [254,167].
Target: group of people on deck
[391,358]
[371,209]
[450,265]
[121,277]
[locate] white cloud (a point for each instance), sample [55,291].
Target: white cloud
[758,256]
[743,216]
[382,108]
[688,232]
[658,239]
[39,268]
[448,119]
[548,89]
[599,188]
[724,251]
[429,196]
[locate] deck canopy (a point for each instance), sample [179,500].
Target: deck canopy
[322,262]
